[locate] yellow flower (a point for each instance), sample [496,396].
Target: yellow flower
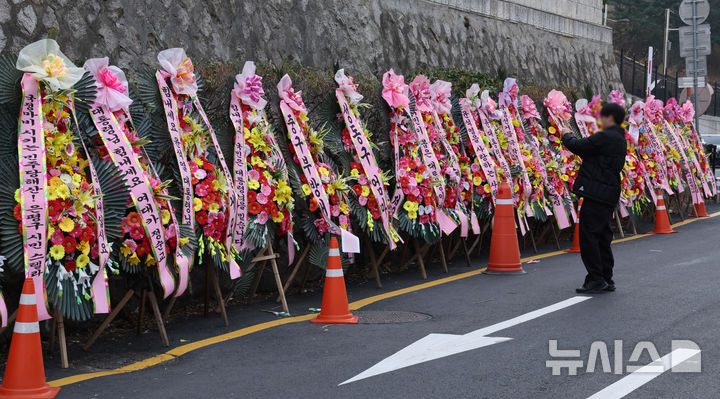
[516,122]
[166,213]
[67,225]
[184,241]
[565,177]
[62,192]
[412,215]
[76,179]
[150,260]
[306,189]
[418,177]
[487,188]
[344,208]
[408,206]
[477,180]
[283,192]
[197,204]
[552,130]
[133,260]
[125,250]
[57,252]
[323,171]
[17,195]
[330,189]
[278,217]
[55,182]
[354,173]
[253,184]
[83,247]
[82,261]
[365,191]
[198,161]
[214,207]
[267,175]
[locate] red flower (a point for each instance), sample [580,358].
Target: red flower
[208,166]
[372,203]
[254,208]
[69,244]
[17,212]
[358,189]
[201,217]
[143,249]
[313,205]
[70,266]
[87,235]
[251,196]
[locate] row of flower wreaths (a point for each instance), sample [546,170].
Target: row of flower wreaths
[90,168]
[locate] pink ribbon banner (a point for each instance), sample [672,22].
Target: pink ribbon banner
[658,156]
[350,243]
[515,149]
[486,163]
[122,155]
[239,214]
[689,176]
[428,155]
[367,159]
[233,267]
[188,217]
[397,197]
[33,189]
[495,145]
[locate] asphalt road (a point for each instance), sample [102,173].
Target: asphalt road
[667,288]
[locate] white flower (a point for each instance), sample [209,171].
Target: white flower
[45,62]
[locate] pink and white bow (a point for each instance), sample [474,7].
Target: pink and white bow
[654,109]
[509,94]
[687,112]
[473,97]
[584,113]
[182,72]
[395,91]
[558,105]
[672,110]
[248,87]
[489,105]
[420,88]
[528,108]
[348,86]
[112,86]
[292,99]
[440,93]
[617,97]
[636,118]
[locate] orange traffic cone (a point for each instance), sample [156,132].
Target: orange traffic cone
[504,249]
[334,308]
[576,235]
[700,211]
[662,221]
[25,372]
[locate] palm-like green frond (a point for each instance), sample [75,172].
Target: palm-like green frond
[10,82]
[85,93]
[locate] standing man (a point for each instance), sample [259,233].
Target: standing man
[598,182]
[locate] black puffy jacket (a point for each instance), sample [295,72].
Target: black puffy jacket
[603,158]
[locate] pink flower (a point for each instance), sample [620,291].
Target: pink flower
[529,110]
[489,105]
[420,88]
[362,180]
[57,237]
[261,199]
[362,200]
[440,93]
[130,244]
[687,112]
[292,99]
[253,175]
[321,224]
[248,87]
[348,86]
[617,97]
[262,217]
[265,190]
[395,91]
[343,219]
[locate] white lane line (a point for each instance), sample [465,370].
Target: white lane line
[645,374]
[436,346]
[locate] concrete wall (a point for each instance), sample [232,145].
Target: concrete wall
[550,41]
[709,125]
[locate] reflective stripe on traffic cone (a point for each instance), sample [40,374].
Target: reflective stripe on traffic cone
[504,248]
[662,221]
[576,235]
[25,372]
[335,309]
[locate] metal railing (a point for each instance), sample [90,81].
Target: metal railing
[633,76]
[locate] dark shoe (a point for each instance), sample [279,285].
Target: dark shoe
[610,286]
[592,287]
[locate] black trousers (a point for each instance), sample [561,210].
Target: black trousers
[595,239]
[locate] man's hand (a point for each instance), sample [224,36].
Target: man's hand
[564,130]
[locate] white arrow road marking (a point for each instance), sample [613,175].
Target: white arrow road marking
[645,374]
[436,346]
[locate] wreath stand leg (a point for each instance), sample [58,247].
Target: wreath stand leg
[442,257]
[298,264]
[141,314]
[278,281]
[452,249]
[467,253]
[269,255]
[211,278]
[678,202]
[532,239]
[419,255]
[556,234]
[58,326]
[375,263]
[142,285]
[619,225]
